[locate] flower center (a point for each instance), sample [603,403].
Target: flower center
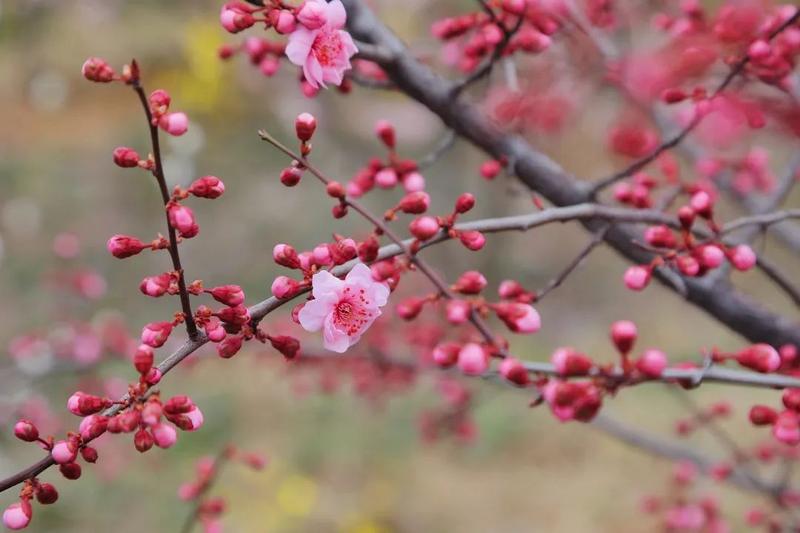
[351,313]
[327,47]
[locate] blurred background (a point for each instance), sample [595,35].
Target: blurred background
[341,459]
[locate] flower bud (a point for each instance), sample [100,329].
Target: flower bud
[97,70]
[283,21]
[660,236]
[490,169]
[143,440]
[519,317]
[514,371]
[230,346]
[82,404]
[207,187]
[164,435]
[464,203]
[410,308]
[93,426]
[457,311]
[386,178]
[156,286]
[470,282]
[424,227]
[385,132]
[414,203]
[17,515]
[637,277]
[742,257]
[182,219]
[290,176]
[174,123]
[70,471]
[510,289]
[688,265]
[230,295]
[64,452]
[446,354]
[288,346]
[143,359]
[759,357]
[711,256]
[473,240]
[312,15]
[652,363]
[159,101]
[761,415]
[623,335]
[46,493]
[702,204]
[237,316]
[126,157]
[89,454]
[343,251]
[26,430]
[284,287]
[304,126]
[122,246]
[413,181]
[473,359]
[515,7]
[368,249]
[285,255]
[786,428]
[235,19]
[214,330]
[569,362]
[334,189]
[155,334]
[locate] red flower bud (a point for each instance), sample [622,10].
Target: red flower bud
[230,346]
[569,362]
[26,430]
[409,308]
[464,203]
[207,187]
[290,176]
[760,357]
[414,203]
[126,157]
[423,228]
[46,493]
[97,70]
[122,246]
[156,286]
[473,240]
[623,335]
[143,359]
[385,132]
[761,415]
[514,371]
[285,255]
[70,470]
[182,219]
[470,282]
[230,295]
[287,345]
[304,126]
[89,454]
[143,440]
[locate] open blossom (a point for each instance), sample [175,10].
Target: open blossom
[343,309]
[324,52]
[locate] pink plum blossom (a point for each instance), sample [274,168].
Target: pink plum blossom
[324,52]
[343,309]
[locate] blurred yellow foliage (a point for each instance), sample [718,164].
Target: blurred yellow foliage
[297,495]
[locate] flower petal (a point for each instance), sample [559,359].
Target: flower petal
[313,314]
[299,46]
[337,16]
[324,283]
[333,338]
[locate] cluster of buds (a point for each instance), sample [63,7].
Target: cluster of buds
[682,510]
[716,411]
[750,173]
[19,514]
[207,469]
[477,35]
[237,16]
[425,227]
[386,174]
[773,61]
[637,192]
[785,422]
[686,255]
[262,53]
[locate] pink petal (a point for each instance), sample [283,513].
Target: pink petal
[333,338]
[313,314]
[348,45]
[313,72]
[299,46]
[337,16]
[325,283]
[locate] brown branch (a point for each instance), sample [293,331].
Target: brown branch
[219,461]
[158,172]
[594,242]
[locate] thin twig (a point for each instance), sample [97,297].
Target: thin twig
[158,171]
